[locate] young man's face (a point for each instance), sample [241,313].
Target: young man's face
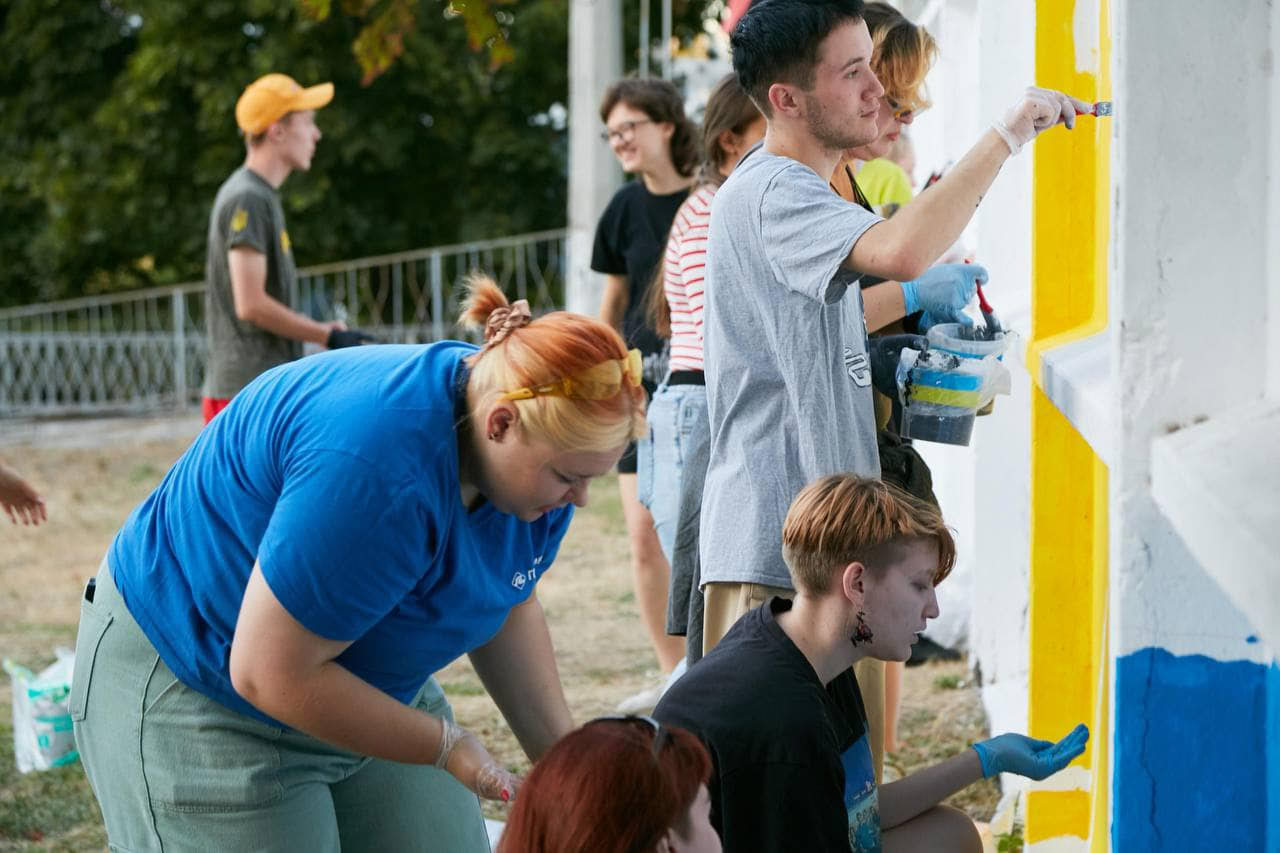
[899,600]
[842,108]
[297,142]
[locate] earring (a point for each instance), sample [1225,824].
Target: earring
[493,436]
[861,633]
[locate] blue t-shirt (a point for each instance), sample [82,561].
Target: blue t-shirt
[339,474]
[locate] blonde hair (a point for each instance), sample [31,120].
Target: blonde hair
[902,54]
[549,348]
[843,519]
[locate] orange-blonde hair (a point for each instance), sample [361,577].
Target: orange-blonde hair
[843,519]
[551,347]
[901,55]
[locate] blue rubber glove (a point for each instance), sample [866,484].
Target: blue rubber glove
[942,292]
[1027,756]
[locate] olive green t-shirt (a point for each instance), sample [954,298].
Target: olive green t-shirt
[246,212]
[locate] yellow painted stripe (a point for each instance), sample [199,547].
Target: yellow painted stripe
[1061,813]
[946,397]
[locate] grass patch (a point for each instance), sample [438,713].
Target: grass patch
[47,810]
[462,688]
[948,682]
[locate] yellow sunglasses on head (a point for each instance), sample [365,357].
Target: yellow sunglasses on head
[599,382]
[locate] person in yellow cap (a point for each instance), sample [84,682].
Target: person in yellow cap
[249,269]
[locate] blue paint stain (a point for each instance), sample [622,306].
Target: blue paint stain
[1197,754]
[1252,638]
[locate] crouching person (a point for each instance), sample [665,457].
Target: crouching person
[778,706]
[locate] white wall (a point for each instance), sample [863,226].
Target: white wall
[986,59]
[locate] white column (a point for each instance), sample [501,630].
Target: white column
[595,60]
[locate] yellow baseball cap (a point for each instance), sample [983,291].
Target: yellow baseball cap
[268,98]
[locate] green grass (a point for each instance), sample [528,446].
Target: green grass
[46,810]
[948,682]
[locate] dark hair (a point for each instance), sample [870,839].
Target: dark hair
[777,41]
[611,786]
[728,108]
[661,102]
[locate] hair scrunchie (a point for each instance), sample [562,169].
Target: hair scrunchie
[504,321]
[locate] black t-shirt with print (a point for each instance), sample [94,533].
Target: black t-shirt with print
[631,237]
[780,742]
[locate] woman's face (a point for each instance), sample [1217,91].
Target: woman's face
[899,600]
[641,144]
[528,477]
[697,834]
[890,129]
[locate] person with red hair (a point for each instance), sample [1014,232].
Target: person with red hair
[255,656]
[616,785]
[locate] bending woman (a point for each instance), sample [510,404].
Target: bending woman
[254,663]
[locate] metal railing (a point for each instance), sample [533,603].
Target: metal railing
[145,350]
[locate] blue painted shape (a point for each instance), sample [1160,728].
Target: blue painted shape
[1252,638]
[1197,744]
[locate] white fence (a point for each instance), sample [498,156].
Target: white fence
[145,350]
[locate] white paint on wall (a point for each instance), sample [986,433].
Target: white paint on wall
[1084,35]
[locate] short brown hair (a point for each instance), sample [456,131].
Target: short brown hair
[843,519]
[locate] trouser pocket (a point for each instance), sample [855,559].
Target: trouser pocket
[93,627]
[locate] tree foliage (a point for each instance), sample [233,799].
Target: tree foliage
[118,126]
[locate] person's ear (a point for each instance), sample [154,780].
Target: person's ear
[667,129]
[851,583]
[731,144]
[785,100]
[666,844]
[500,421]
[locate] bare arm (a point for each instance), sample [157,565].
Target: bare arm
[613,305]
[903,247]
[289,673]
[882,304]
[915,794]
[518,668]
[254,305]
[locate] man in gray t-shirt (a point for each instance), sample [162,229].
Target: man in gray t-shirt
[787,370]
[249,269]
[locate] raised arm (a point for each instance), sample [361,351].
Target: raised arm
[903,247]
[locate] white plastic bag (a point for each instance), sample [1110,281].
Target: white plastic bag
[42,735]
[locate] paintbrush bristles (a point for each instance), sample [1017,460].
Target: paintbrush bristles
[1102,108]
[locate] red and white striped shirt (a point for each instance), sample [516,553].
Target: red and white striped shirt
[683,275]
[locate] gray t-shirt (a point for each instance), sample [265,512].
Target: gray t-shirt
[246,212]
[788,381]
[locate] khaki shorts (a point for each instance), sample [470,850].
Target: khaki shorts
[726,603]
[175,770]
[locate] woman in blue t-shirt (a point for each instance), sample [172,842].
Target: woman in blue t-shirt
[255,656]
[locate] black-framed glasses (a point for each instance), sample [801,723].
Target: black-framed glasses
[660,734]
[625,131]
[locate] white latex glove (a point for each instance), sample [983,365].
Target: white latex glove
[1039,110]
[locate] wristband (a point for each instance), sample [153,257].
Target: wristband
[450,734]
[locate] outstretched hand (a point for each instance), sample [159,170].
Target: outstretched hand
[21,502]
[1026,756]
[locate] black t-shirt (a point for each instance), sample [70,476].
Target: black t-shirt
[631,237]
[792,766]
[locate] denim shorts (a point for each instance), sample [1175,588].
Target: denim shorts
[677,415]
[175,770]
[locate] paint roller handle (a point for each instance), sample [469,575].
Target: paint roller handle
[1027,756]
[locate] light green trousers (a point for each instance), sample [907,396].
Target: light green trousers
[174,770]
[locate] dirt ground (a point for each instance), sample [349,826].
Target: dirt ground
[91,484]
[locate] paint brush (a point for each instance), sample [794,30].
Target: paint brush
[993,324]
[1100,109]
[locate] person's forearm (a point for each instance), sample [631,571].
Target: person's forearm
[882,304]
[518,668]
[613,303]
[328,702]
[915,794]
[266,313]
[903,247]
